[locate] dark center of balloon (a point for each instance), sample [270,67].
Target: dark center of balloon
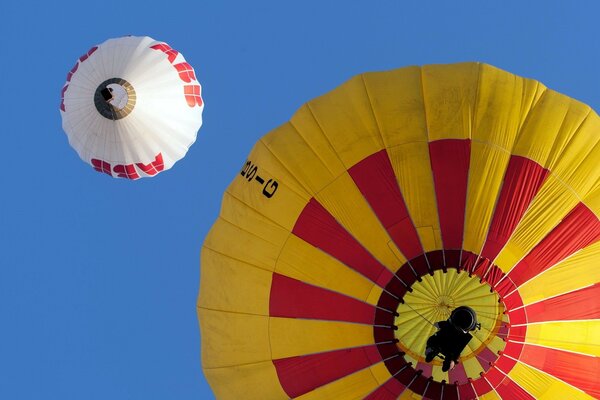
[433,299]
[115,98]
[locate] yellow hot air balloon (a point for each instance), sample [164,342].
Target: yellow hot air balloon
[382,206]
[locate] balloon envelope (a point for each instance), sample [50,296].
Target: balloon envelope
[385,204]
[131,107]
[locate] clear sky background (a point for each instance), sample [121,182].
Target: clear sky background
[99,276]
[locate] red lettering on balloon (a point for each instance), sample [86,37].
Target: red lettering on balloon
[186,72]
[192,95]
[126,171]
[154,167]
[101,166]
[165,48]
[129,171]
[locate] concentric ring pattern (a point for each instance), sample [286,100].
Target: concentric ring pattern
[384,204]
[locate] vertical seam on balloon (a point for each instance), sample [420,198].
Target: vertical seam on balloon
[381,138]
[286,168]
[308,144]
[385,148]
[310,110]
[573,133]
[421,81]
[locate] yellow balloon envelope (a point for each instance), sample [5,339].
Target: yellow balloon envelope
[385,204]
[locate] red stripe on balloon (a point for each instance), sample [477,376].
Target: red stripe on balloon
[390,390]
[580,304]
[508,389]
[494,376]
[481,386]
[467,391]
[301,374]
[577,230]
[375,178]
[317,226]
[522,181]
[578,370]
[458,374]
[292,298]
[486,357]
[450,160]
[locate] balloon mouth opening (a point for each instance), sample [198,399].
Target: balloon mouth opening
[430,289]
[115,98]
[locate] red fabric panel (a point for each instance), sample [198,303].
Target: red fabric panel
[486,357]
[481,386]
[577,370]
[577,230]
[508,389]
[433,390]
[316,226]
[580,304]
[494,376]
[458,374]
[292,298]
[390,390]
[299,375]
[425,367]
[375,178]
[467,392]
[513,350]
[522,181]
[450,160]
[450,392]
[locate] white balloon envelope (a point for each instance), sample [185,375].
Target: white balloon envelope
[131,107]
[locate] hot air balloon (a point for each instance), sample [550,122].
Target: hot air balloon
[131,107]
[386,204]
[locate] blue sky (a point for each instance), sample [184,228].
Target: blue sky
[98,276]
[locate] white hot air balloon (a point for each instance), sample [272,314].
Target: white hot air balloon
[131,107]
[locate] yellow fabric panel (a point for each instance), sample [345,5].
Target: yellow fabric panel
[263,255]
[293,337]
[397,101]
[346,118]
[286,203]
[486,173]
[543,386]
[345,202]
[352,387]
[472,366]
[313,167]
[438,374]
[256,381]
[450,94]
[230,339]
[576,336]
[247,289]
[592,200]
[374,294]
[412,168]
[575,272]
[409,395]
[380,373]
[496,344]
[503,101]
[490,396]
[300,260]
[244,217]
[578,166]
[549,127]
[549,207]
